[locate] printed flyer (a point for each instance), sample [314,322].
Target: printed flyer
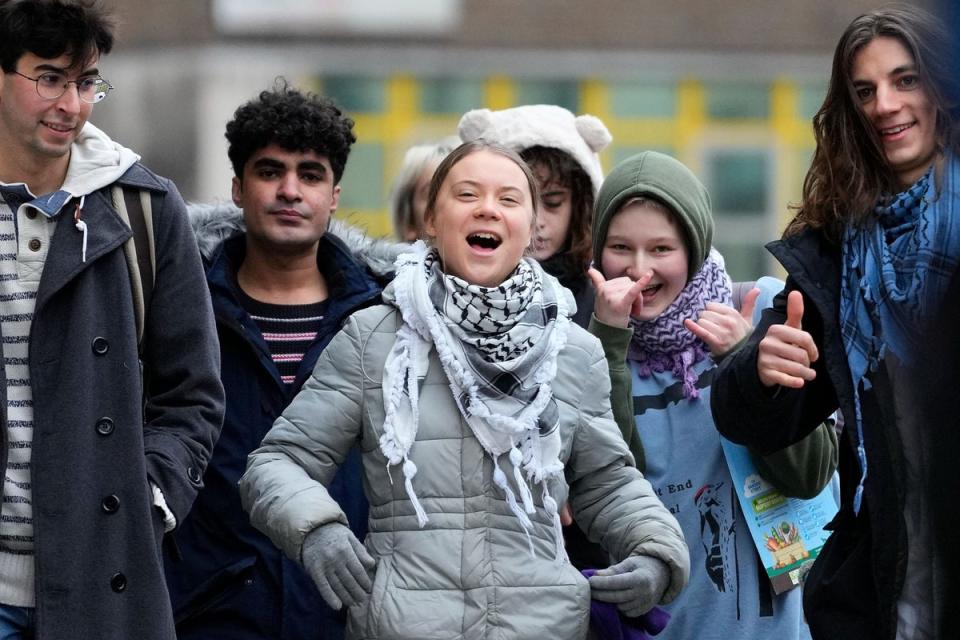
[787,532]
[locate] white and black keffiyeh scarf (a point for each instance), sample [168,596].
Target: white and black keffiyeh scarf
[498,347]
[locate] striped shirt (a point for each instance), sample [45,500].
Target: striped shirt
[288,330]
[22,256]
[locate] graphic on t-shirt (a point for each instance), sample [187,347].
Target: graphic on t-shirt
[717,521]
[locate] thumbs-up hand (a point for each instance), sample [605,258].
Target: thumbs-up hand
[617,299]
[722,327]
[794,310]
[786,352]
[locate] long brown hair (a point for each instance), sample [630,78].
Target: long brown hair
[849,173]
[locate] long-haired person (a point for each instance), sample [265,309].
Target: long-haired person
[870,256]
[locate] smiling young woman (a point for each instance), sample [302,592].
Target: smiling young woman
[561,150]
[665,316]
[488,211]
[473,398]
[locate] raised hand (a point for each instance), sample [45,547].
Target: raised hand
[787,351]
[618,299]
[722,327]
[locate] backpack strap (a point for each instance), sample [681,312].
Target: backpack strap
[135,208]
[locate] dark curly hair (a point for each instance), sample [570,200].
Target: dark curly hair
[48,29]
[849,172]
[294,120]
[559,167]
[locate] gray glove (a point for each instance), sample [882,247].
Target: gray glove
[634,585]
[339,565]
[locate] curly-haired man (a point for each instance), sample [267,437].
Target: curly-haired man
[281,287]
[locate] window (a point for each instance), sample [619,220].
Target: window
[739,182]
[363,95]
[563,93]
[740,186]
[810,100]
[450,95]
[643,100]
[738,101]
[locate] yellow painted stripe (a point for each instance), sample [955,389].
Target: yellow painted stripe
[499,92]
[691,112]
[595,100]
[639,132]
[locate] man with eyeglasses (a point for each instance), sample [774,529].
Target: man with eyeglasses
[105,436]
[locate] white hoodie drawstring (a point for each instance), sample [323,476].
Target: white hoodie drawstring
[81,227]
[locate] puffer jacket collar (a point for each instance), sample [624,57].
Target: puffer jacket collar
[351,287]
[214,222]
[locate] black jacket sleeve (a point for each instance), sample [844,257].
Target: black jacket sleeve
[768,420]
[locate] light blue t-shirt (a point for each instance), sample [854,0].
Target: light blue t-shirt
[729,595]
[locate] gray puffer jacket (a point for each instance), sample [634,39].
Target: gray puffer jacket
[468,573]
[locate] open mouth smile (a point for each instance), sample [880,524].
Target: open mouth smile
[650,291]
[900,128]
[484,241]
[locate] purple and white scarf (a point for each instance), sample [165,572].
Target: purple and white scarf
[664,344]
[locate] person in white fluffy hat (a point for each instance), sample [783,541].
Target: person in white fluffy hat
[561,150]
[478,406]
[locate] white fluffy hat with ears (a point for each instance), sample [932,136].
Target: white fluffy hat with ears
[543,125]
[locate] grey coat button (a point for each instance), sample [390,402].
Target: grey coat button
[118,582]
[194,475]
[100,346]
[35,244]
[110,504]
[104,426]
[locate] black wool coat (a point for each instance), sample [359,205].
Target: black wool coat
[98,445]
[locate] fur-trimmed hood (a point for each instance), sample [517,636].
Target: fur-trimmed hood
[214,222]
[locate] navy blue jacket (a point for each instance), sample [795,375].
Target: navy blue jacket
[231,581]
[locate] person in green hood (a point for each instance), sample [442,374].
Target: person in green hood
[664,314]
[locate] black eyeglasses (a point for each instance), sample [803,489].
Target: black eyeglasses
[52,84]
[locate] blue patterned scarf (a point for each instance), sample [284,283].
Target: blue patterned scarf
[896,270]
